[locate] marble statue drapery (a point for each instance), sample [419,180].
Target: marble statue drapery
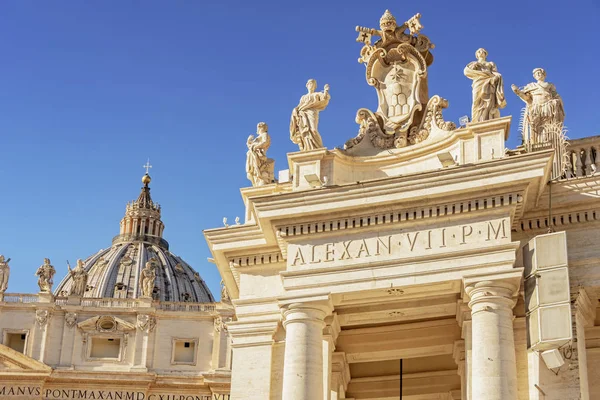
[80,278]
[543,108]
[488,88]
[147,278]
[4,273]
[259,168]
[305,117]
[45,274]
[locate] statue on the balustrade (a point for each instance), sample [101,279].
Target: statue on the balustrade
[147,278]
[45,274]
[544,110]
[79,277]
[304,123]
[4,273]
[259,168]
[488,88]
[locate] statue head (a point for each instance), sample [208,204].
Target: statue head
[46,261]
[1,258]
[539,74]
[261,127]
[311,85]
[79,264]
[481,54]
[387,22]
[151,264]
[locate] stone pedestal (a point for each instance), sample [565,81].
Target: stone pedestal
[304,320]
[494,368]
[45,297]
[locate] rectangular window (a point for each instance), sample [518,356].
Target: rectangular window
[103,347]
[16,341]
[184,351]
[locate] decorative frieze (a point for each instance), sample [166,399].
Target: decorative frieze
[400,216]
[558,220]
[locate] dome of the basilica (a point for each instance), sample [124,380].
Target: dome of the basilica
[115,271]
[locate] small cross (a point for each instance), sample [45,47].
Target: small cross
[147,166]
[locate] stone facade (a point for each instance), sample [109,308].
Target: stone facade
[421,259]
[418,255]
[125,333]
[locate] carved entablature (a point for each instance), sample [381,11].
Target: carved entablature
[396,66]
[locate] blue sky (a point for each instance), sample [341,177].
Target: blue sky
[91,89]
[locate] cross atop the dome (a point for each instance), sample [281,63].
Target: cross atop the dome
[147,166]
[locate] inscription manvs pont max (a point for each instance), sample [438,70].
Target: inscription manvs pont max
[401,244]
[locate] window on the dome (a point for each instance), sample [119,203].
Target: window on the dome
[184,351]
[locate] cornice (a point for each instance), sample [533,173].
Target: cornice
[504,172]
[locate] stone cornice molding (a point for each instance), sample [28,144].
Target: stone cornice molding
[562,220]
[257,260]
[423,214]
[499,173]
[332,327]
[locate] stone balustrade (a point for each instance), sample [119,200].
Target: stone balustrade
[115,303]
[20,298]
[583,157]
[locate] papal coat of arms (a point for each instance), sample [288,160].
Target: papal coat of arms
[396,65]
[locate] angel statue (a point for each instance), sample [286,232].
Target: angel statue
[259,168]
[305,117]
[488,88]
[45,274]
[543,110]
[80,278]
[147,278]
[4,273]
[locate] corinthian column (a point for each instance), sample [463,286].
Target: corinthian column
[494,371]
[304,320]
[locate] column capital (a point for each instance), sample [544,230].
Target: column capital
[252,333]
[493,291]
[306,308]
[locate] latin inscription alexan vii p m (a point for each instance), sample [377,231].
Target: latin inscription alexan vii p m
[402,244]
